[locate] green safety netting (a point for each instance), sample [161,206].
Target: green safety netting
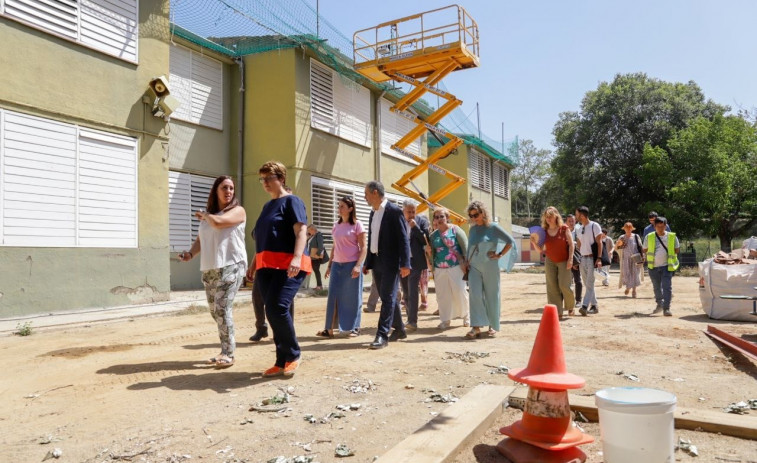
[241,27]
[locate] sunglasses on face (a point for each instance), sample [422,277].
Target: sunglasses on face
[474,215]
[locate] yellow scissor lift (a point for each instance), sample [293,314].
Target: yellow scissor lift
[427,45]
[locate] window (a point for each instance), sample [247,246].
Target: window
[110,26]
[197,82]
[501,181]
[480,168]
[326,193]
[339,106]
[187,193]
[62,185]
[394,127]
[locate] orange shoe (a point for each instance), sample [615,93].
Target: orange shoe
[273,371]
[290,367]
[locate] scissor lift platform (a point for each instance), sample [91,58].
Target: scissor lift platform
[428,46]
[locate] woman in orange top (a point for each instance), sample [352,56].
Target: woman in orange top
[558,246]
[281,263]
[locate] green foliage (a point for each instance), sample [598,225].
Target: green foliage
[24,329]
[528,176]
[599,149]
[708,177]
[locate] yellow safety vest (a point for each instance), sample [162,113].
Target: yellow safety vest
[673,263]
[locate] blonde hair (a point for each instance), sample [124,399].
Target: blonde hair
[551,211]
[479,207]
[444,211]
[276,168]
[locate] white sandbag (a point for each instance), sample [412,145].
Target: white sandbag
[722,280]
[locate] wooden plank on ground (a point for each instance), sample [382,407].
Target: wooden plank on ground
[439,440]
[744,426]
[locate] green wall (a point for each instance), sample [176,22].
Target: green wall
[56,79]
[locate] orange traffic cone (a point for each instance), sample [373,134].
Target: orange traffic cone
[545,433]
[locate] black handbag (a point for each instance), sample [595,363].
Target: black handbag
[594,249]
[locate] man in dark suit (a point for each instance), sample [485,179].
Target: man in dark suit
[418,227]
[389,258]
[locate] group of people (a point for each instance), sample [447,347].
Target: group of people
[398,247]
[578,247]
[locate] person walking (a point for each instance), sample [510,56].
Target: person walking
[448,247]
[629,247]
[281,263]
[483,273]
[345,272]
[389,258]
[418,230]
[318,254]
[662,248]
[558,247]
[589,234]
[610,246]
[570,221]
[220,242]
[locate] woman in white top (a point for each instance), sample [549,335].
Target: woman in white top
[223,260]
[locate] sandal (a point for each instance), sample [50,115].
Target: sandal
[214,360]
[633,294]
[474,333]
[324,334]
[571,312]
[492,333]
[224,362]
[354,334]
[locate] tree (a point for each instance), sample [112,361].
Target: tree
[708,177]
[529,174]
[599,149]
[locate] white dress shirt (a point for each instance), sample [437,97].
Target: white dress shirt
[376,226]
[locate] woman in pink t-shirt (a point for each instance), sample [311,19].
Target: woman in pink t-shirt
[344,272]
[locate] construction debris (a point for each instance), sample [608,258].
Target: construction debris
[342,451]
[54,453]
[446,398]
[628,376]
[360,387]
[741,408]
[467,356]
[686,446]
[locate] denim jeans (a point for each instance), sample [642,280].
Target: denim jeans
[587,274]
[662,283]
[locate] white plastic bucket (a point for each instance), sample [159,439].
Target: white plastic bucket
[636,425]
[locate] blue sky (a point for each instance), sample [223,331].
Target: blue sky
[539,58]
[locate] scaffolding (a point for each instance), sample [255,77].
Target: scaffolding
[421,50]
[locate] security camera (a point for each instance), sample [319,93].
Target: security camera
[165,106]
[159,85]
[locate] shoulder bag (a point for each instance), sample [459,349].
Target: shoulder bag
[594,248]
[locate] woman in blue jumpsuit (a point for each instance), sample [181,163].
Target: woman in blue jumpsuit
[483,276]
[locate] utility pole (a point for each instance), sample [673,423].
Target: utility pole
[318,19]
[478,121]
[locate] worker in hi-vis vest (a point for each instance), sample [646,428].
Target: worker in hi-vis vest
[662,248]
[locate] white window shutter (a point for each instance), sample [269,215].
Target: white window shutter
[179,211]
[501,181]
[38,181]
[107,190]
[322,98]
[207,91]
[180,77]
[199,191]
[197,82]
[57,16]
[394,127]
[339,106]
[111,26]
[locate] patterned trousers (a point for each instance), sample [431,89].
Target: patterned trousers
[221,285]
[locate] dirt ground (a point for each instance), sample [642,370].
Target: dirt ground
[138,390]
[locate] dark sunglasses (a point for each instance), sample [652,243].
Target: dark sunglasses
[474,215]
